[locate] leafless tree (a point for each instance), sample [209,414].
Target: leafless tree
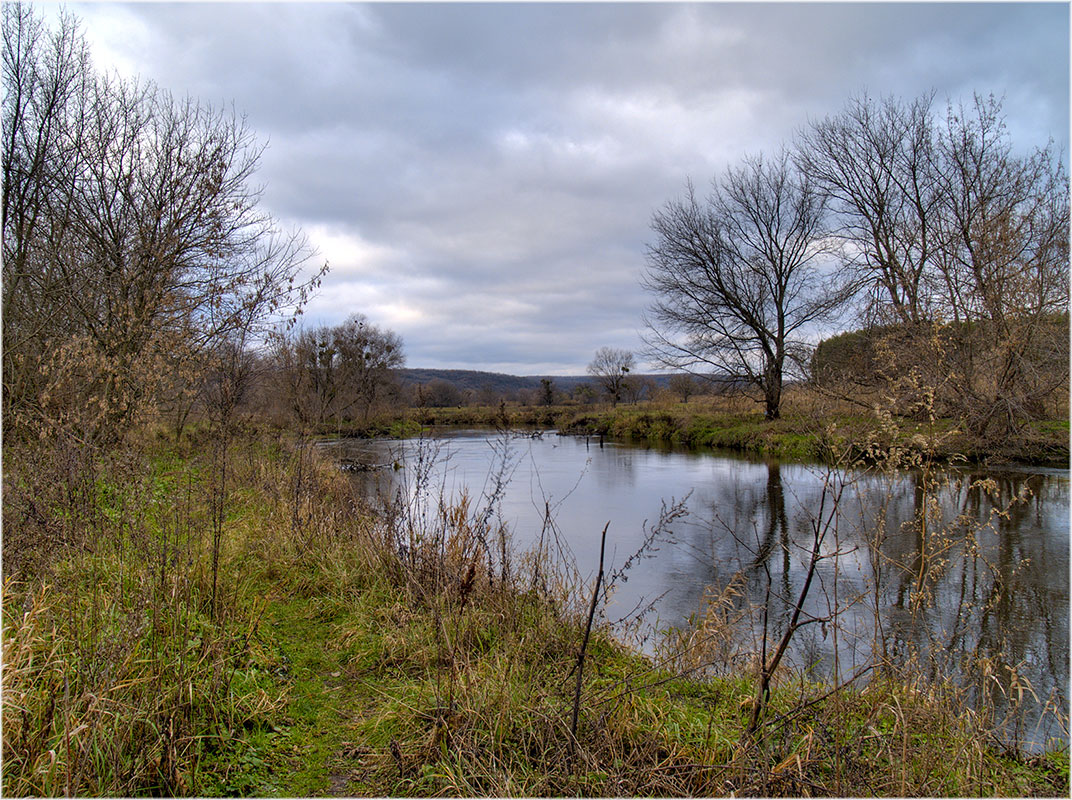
[132,234]
[45,78]
[610,368]
[368,355]
[306,366]
[961,243]
[330,371]
[1006,265]
[638,387]
[683,385]
[737,279]
[439,393]
[875,163]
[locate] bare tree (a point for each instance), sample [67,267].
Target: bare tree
[330,371]
[959,242]
[610,368]
[1006,265]
[638,387]
[368,356]
[875,163]
[439,393]
[683,385]
[45,77]
[306,368]
[132,234]
[736,279]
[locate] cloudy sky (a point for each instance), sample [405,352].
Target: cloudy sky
[482,177]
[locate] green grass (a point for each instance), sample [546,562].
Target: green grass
[291,757]
[334,667]
[1052,426]
[793,438]
[810,437]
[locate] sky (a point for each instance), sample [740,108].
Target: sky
[481,178]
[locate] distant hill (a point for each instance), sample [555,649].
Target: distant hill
[469,379]
[500,382]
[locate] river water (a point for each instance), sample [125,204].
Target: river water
[976,594]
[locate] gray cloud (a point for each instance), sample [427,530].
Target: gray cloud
[481,177]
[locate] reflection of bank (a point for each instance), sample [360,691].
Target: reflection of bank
[943,576]
[998,622]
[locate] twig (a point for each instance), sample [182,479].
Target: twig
[587,634]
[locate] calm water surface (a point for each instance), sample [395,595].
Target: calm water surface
[980,594]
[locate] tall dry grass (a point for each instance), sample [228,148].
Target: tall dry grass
[119,669]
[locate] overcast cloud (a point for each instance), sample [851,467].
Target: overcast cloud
[481,177]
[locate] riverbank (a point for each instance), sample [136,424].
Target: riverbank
[800,435]
[804,437]
[197,619]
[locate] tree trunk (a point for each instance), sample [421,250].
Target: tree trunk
[772,391]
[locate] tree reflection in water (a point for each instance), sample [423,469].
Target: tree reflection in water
[940,578]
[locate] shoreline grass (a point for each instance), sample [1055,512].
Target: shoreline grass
[802,434]
[336,662]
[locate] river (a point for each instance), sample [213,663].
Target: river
[978,595]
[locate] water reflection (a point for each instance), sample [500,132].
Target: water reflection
[963,576]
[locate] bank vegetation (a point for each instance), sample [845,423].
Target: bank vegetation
[195,602]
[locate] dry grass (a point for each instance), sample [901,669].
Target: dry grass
[455,659]
[118,668]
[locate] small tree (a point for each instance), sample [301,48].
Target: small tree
[486,395]
[439,393]
[547,391]
[637,387]
[584,394]
[610,367]
[368,356]
[683,385]
[330,371]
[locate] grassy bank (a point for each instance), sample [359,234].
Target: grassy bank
[808,431]
[204,620]
[800,436]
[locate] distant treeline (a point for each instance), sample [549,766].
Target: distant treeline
[502,384]
[457,387]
